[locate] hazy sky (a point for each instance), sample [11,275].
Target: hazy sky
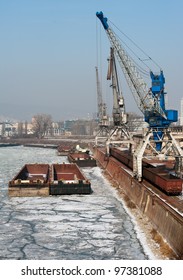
[48,52]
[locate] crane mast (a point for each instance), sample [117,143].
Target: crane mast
[119,134]
[151,103]
[101,105]
[119,115]
[103,120]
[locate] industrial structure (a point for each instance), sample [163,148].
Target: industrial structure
[158,139]
[181,111]
[103,119]
[119,133]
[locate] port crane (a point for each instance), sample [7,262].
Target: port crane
[119,133]
[103,119]
[151,101]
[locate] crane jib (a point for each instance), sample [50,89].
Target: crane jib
[102,19]
[136,83]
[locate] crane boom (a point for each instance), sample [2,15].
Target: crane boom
[151,102]
[143,96]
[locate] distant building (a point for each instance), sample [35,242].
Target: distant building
[6,129]
[181,112]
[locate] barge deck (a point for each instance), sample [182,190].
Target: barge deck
[82,159]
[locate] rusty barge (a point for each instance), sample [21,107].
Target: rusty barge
[163,211]
[31,180]
[68,179]
[82,159]
[45,180]
[65,149]
[159,173]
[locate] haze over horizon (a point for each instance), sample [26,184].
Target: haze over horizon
[48,53]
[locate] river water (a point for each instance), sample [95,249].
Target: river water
[90,227]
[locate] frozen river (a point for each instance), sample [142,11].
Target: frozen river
[72,227]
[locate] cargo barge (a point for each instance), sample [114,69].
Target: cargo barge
[160,173]
[82,159]
[68,179]
[2,145]
[32,180]
[45,180]
[46,146]
[64,150]
[163,211]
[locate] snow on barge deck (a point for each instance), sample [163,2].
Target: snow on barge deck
[82,159]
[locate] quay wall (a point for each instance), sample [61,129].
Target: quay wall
[165,220]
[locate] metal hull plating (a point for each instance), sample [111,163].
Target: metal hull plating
[161,176]
[164,212]
[32,180]
[45,180]
[82,159]
[68,179]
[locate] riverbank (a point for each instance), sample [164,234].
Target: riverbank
[83,142]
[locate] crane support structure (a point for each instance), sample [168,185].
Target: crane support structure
[151,102]
[119,134]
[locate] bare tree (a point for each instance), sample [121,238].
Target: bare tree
[20,129]
[41,124]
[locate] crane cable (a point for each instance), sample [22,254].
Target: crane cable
[99,61]
[142,70]
[148,57]
[99,51]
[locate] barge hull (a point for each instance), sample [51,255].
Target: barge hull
[158,173]
[165,219]
[32,180]
[67,179]
[45,180]
[82,159]
[28,191]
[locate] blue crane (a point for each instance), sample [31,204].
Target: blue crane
[151,102]
[155,120]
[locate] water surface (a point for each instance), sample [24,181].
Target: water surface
[67,227]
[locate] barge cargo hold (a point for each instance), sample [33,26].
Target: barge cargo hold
[68,179]
[32,180]
[82,159]
[64,150]
[159,173]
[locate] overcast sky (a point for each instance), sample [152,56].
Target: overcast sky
[49,50]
